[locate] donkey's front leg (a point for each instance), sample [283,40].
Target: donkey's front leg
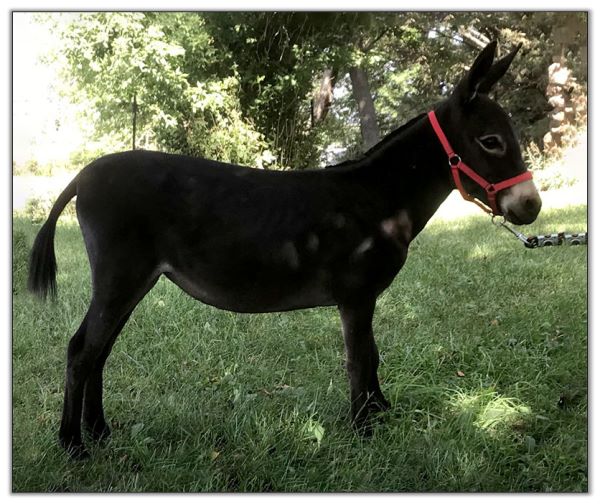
[362,360]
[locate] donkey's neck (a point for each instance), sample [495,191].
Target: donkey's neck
[409,170]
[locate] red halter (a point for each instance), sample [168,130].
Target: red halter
[457,164]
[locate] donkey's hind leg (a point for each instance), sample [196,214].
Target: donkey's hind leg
[113,299]
[93,411]
[84,349]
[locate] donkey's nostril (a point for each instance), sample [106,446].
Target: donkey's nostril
[529,204]
[532,204]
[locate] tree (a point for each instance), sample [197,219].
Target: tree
[276,89]
[116,58]
[164,62]
[323,96]
[366,109]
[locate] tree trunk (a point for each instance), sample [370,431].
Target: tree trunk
[366,109]
[323,96]
[565,94]
[134,110]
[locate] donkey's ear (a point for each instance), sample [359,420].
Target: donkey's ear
[497,71]
[468,86]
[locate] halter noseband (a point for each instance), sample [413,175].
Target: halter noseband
[457,166]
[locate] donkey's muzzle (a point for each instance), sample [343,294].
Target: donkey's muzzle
[521,203]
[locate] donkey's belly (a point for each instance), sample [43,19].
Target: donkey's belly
[266,293]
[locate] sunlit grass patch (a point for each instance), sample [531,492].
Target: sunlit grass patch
[490,411]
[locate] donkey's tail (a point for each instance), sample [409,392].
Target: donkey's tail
[42,261]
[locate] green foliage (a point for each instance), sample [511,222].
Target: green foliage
[118,57]
[38,208]
[83,157]
[214,127]
[546,37]
[549,172]
[418,58]
[115,57]
[34,167]
[31,167]
[274,57]
[238,85]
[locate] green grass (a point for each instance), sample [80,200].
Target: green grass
[205,400]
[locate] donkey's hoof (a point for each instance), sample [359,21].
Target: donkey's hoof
[98,433]
[363,423]
[379,404]
[78,452]
[364,428]
[75,450]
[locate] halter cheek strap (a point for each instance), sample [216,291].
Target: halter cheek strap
[457,166]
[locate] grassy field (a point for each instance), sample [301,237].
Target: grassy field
[484,358]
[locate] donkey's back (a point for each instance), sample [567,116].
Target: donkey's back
[234,237]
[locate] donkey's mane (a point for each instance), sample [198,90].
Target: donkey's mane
[382,144]
[392,136]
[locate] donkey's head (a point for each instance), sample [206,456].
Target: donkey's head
[481,133]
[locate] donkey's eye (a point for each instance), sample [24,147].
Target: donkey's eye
[491,142]
[494,144]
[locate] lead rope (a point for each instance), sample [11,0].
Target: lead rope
[542,240]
